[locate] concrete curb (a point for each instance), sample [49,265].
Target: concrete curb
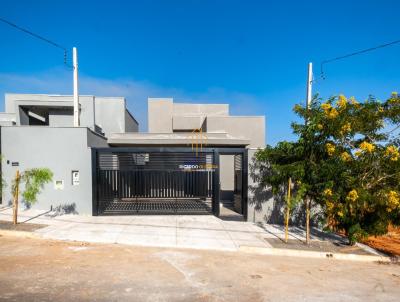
[20,234]
[312,254]
[370,249]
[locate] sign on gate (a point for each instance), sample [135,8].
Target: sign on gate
[198,138]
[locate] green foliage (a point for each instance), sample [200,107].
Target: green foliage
[356,233]
[346,159]
[2,184]
[34,180]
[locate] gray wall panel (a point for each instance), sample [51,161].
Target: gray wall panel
[62,150]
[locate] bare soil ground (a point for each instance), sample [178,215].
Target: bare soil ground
[317,246]
[26,227]
[389,243]
[46,270]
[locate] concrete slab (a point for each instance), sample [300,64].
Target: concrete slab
[188,231]
[202,222]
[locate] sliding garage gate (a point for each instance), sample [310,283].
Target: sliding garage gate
[154,182]
[130,181]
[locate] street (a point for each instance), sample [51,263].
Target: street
[47,270]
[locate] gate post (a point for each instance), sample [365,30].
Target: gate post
[245,184]
[94,183]
[216,184]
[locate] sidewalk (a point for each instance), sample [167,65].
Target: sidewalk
[200,232]
[191,231]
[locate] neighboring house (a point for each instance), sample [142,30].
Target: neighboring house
[192,157]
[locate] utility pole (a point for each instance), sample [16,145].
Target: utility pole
[309,85]
[76,92]
[308,201]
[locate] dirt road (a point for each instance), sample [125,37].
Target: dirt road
[42,270]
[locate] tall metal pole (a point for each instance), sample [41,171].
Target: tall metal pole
[76,92]
[308,201]
[309,85]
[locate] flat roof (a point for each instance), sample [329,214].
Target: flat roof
[175,139]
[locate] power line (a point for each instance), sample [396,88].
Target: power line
[37,36]
[354,54]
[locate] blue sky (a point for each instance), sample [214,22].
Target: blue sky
[251,54]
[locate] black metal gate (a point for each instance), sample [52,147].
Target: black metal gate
[238,183]
[136,181]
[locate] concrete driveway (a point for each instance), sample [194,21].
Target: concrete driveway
[201,232]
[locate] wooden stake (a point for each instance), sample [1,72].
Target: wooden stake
[287,210]
[15,203]
[307,220]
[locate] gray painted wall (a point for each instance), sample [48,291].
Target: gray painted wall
[160,113]
[62,150]
[22,117]
[87,112]
[7,119]
[226,176]
[95,140]
[187,123]
[131,125]
[185,109]
[110,115]
[260,201]
[249,127]
[164,115]
[61,117]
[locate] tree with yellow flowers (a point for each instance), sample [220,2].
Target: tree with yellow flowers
[349,154]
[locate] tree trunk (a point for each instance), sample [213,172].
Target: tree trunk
[308,220]
[287,211]
[15,201]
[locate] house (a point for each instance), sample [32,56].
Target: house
[193,158]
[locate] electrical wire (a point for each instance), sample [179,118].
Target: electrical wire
[354,54]
[38,37]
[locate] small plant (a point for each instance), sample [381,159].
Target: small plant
[356,234]
[34,180]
